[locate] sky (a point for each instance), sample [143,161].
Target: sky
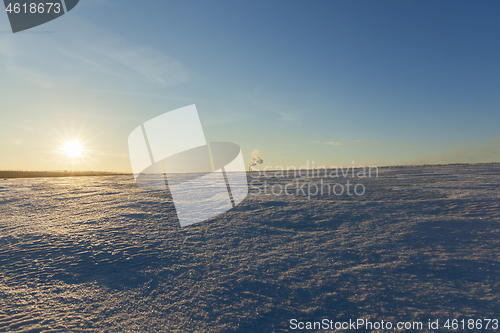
[334,82]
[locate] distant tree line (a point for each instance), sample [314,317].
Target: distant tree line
[37,174]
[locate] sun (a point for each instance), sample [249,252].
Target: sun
[73,149]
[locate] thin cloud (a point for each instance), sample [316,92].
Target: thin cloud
[288,116]
[373,142]
[95,58]
[17,125]
[494,139]
[149,64]
[329,143]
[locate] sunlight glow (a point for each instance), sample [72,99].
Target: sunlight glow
[73,149]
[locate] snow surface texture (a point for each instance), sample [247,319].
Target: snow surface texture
[99,253]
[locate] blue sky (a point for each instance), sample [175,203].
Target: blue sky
[374,82]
